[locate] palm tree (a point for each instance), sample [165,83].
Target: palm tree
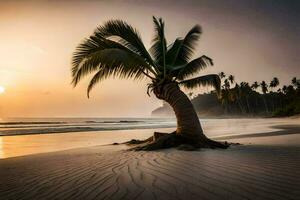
[226,85]
[274,83]
[255,85]
[225,97]
[231,79]
[294,82]
[284,89]
[116,49]
[264,89]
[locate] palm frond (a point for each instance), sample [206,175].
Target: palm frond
[206,80]
[100,75]
[126,35]
[112,62]
[172,51]
[85,59]
[159,46]
[88,47]
[181,50]
[193,67]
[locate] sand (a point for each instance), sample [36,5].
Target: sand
[268,168]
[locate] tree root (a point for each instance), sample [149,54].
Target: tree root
[165,140]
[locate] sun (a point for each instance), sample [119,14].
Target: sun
[2,89]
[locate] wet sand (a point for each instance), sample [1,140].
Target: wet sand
[265,167]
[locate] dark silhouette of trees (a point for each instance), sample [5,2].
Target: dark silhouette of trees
[246,100]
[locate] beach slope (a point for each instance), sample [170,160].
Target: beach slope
[249,171]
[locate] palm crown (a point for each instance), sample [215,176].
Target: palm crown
[116,49]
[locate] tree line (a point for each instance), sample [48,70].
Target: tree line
[265,98]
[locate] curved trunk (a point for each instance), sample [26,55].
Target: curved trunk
[188,124]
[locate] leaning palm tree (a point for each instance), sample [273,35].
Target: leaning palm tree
[116,50]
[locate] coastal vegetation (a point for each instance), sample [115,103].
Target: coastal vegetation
[260,98]
[117,50]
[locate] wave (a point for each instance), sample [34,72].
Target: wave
[9,128]
[18,123]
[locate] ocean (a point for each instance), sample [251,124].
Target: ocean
[213,127]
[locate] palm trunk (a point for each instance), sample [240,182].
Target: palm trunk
[188,124]
[189,131]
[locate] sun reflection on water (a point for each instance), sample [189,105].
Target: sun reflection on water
[1,148]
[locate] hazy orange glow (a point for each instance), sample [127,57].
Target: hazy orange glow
[38,37]
[2,89]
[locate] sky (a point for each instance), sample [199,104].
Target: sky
[252,39]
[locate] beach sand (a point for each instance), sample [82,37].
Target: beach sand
[264,167]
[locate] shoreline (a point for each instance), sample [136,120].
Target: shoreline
[281,130]
[85,129]
[68,127]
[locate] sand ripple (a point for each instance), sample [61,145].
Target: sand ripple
[241,172]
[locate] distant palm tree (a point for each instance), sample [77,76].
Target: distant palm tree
[294,82]
[231,79]
[284,89]
[274,83]
[226,84]
[116,49]
[264,89]
[255,85]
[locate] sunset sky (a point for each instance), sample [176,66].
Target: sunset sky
[253,40]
